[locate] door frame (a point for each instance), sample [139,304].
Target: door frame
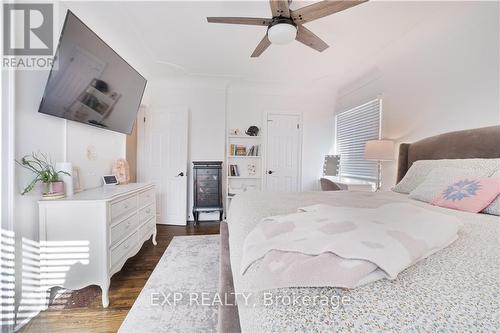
[266,115]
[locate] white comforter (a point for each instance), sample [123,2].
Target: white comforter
[455,289]
[345,247]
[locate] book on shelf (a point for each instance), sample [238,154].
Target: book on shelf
[253,150]
[241,150]
[233,170]
[238,150]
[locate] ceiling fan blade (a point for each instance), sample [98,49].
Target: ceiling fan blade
[322,9]
[305,36]
[240,20]
[263,45]
[279,8]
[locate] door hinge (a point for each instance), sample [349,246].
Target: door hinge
[144,119]
[298,126]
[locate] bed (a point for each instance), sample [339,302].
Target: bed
[456,289]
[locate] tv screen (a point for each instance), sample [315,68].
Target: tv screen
[90,83]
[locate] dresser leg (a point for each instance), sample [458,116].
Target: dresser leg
[105,295]
[154,237]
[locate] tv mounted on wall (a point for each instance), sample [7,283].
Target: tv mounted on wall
[90,83]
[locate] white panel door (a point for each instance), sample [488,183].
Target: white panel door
[165,165]
[283,153]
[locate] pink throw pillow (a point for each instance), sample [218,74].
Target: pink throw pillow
[469,194]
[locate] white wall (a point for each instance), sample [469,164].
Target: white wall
[440,77]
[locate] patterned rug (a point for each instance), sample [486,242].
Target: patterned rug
[180,295]
[61,299]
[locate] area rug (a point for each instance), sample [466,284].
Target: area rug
[179,294]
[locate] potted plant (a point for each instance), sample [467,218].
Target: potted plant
[45,173]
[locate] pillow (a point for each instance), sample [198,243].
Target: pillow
[436,180]
[494,207]
[469,194]
[419,170]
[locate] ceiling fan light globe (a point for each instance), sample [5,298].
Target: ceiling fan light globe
[282,33]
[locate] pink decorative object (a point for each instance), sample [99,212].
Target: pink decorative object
[469,194]
[122,171]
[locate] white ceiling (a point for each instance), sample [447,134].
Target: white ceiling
[174,37]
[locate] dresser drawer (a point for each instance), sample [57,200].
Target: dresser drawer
[122,229]
[146,229]
[208,190]
[146,197]
[205,178]
[200,172]
[123,207]
[146,213]
[122,249]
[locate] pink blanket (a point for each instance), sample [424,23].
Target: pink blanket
[344,246]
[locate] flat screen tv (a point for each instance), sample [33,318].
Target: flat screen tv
[90,83]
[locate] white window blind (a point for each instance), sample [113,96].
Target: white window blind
[353,128]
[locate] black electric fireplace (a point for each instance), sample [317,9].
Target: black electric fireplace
[207,178]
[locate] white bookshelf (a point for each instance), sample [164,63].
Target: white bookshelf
[237,184]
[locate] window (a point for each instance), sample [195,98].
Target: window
[353,128]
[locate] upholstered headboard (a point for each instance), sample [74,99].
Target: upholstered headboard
[474,143]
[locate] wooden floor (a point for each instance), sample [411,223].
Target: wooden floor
[87,314]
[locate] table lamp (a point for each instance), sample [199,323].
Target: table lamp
[379,150]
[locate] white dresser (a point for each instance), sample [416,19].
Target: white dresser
[87,238]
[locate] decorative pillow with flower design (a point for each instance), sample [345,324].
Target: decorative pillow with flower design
[494,207]
[438,179]
[469,194]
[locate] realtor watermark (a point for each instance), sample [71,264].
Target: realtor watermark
[28,36]
[266,299]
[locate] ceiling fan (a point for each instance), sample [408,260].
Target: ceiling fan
[287,25]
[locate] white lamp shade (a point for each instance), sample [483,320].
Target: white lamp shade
[379,150]
[282,33]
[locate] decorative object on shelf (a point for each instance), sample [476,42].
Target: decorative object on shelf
[101,86]
[252,169]
[45,173]
[379,150]
[77,186]
[121,170]
[207,191]
[235,131]
[67,176]
[252,131]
